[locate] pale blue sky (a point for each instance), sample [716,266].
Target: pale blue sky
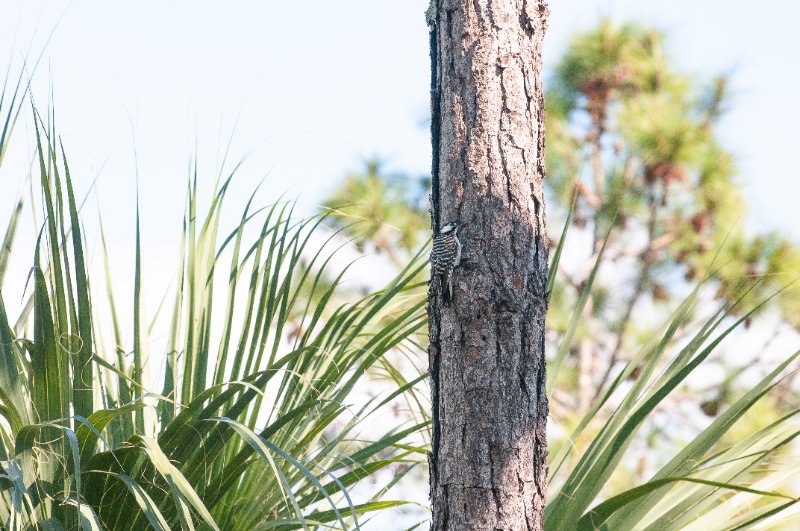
[318,85]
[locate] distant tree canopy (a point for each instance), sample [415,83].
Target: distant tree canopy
[385,210]
[637,140]
[634,143]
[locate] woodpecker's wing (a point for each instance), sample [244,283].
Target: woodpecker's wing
[444,253]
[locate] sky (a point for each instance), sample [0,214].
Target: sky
[308,90]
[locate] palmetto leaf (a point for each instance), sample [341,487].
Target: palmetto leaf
[694,482]
[252,426]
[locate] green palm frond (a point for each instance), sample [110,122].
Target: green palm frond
[256,424]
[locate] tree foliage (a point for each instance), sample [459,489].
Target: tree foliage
[381,210]
[655,164]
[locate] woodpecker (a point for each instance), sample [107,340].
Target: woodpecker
[445,256]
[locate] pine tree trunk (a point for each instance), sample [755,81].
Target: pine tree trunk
[487,465]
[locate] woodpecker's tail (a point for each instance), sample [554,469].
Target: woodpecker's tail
[447,288]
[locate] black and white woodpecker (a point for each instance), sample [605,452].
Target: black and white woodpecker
[445,256]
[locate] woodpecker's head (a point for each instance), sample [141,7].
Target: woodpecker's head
[450,228]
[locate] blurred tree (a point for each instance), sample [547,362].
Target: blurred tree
[381,210]
[636,141]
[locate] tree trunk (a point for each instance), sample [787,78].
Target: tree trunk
[487,467]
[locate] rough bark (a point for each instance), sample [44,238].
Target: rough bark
[487,466]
